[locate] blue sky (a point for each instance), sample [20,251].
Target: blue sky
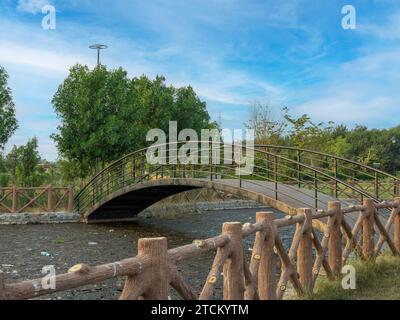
[285,53]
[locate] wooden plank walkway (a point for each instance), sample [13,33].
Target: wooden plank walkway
[291,195]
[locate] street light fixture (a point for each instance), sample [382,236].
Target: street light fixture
[98,47]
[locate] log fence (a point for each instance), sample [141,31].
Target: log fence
[43,199]
[322,240]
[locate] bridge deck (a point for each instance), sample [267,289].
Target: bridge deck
[291,195]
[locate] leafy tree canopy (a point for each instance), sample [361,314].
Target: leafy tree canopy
[105,114]
[23,164]
[369,146]
[8,121]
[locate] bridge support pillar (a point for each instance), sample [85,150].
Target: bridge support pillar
[335,239]
[368,229]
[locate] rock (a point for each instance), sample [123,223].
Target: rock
[39,218]
[176,210]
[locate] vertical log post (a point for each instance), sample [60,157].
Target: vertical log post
[233,267]
[153,282]
[335,240]
[368,229]
[304,252]
[70,205]
[397,224]
[50,199]
[14,208]
[267,281]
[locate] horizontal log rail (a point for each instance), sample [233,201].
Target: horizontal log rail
[267,274]
[43,199]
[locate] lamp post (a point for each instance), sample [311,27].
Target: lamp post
[98,47]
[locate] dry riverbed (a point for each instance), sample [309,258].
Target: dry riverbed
[25,249]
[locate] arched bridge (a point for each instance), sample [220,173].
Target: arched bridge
[284,178]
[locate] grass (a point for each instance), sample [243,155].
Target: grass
[375,280]
[58,241]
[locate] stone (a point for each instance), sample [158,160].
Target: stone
[39,218]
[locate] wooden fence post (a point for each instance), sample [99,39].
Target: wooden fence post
[14,208]
[153,282]
[335,240]
[70,205]
[267,281]
[397,224]
[304,252]
[50,199]
[368,229]
[233,267]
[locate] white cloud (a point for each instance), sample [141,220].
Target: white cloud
[38,58]
[387,30]
[218,68]
[363,91]
[218,83]
[32,6]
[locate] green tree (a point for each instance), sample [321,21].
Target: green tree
[92,106]
[8,121]
[393,150]
[24,165]
[11,163]
[4,174]
[67,170]
[104,114]
[304,133]
[363,148]
[338,146]
[267,129]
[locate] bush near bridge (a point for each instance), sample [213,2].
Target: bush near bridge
[378,148]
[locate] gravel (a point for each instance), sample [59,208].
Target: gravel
[21,248]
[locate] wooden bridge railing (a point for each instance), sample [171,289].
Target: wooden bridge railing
[321,240]
[44,199]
